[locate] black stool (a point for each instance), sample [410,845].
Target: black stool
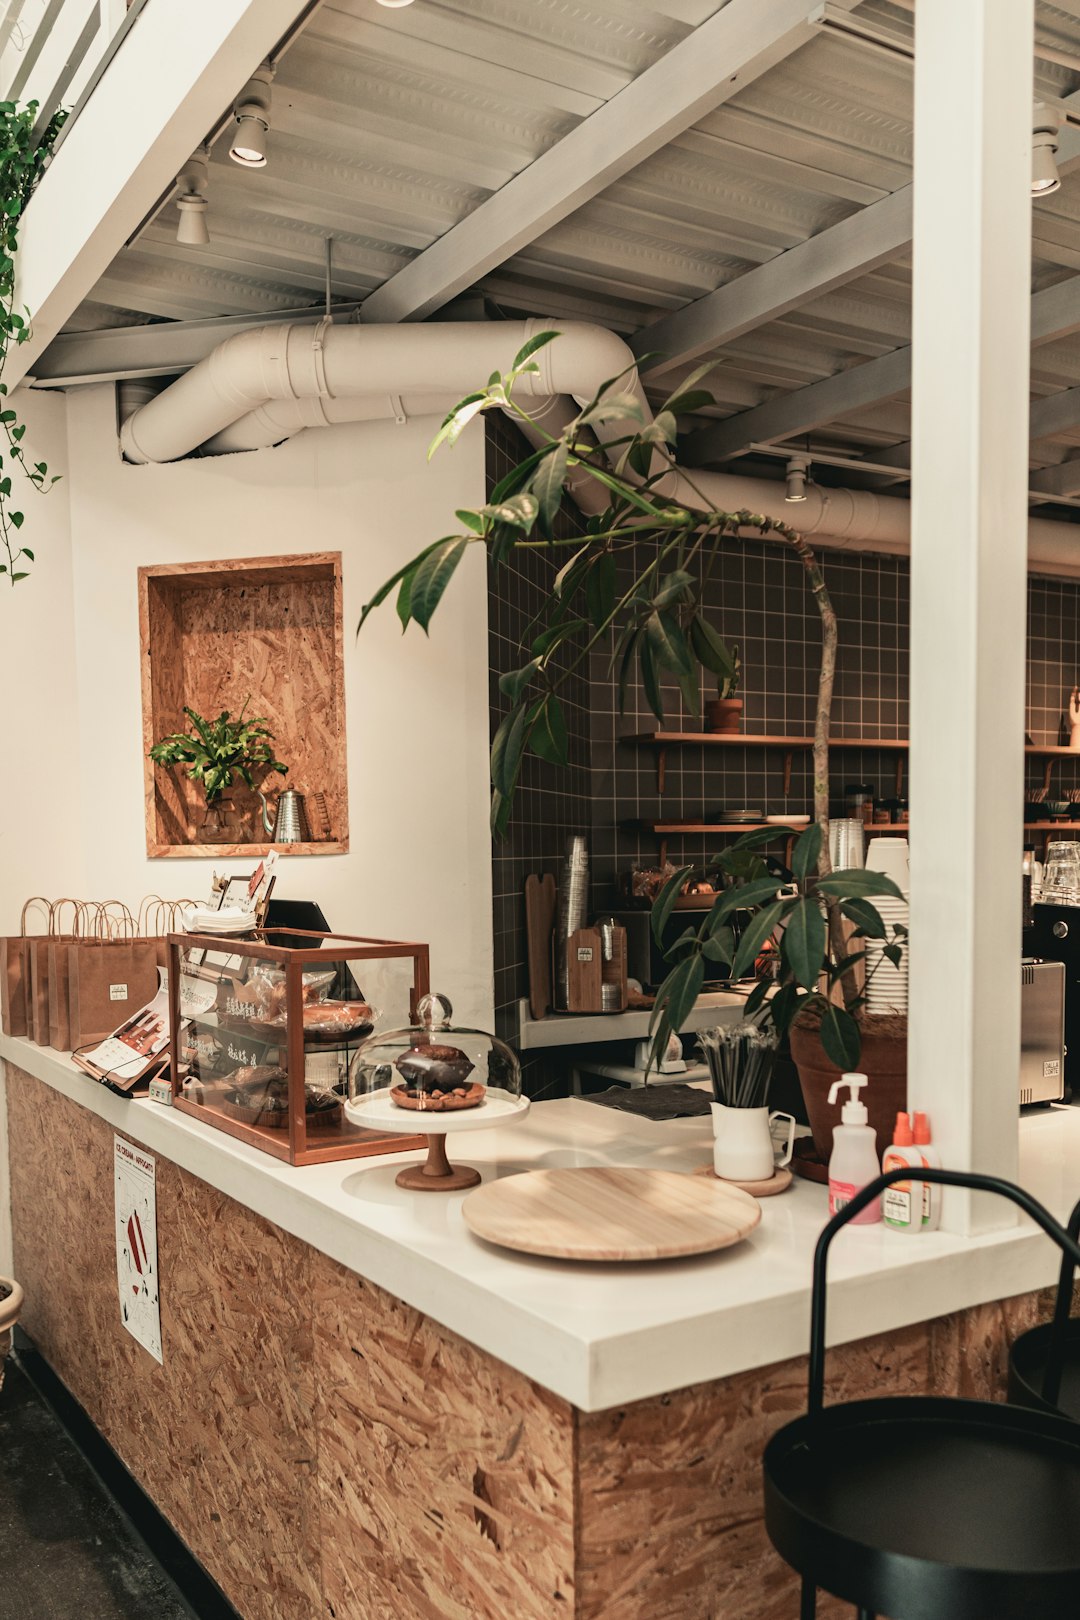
[1044,1363]
[922,1507]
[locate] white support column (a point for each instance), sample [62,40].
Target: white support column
[971,322]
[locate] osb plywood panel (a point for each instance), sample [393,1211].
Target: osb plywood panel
[671,1521]
[267,632]
[223,1436]
[331,1454]
[446,1478]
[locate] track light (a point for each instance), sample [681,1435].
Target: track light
[192,230]
[797,469]
[1044,145]
[252,114]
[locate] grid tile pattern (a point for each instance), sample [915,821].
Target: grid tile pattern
[757,598]
[550,804]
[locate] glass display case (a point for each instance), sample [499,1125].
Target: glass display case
[264,1030]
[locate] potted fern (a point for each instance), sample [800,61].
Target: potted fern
[633,583]
[215,754]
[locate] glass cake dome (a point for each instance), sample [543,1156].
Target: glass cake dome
[435,1068]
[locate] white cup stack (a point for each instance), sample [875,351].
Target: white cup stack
[887,986]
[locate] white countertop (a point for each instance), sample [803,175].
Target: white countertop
[602,1335]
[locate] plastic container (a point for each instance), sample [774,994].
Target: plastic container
[932,1159]
[854,1159]
[902,1206]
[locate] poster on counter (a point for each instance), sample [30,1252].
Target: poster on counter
[136,1244]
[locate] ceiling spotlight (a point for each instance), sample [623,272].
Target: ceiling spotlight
[191,200]
[796,478]
[395,3]
[252,114]
[1044,145]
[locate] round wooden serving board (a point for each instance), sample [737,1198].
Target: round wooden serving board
[778,1182]
[610,1214]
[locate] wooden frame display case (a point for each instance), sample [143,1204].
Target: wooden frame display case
[263,1029]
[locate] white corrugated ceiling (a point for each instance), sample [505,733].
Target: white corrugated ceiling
[391,126]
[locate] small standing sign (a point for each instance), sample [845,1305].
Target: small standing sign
[136,1245]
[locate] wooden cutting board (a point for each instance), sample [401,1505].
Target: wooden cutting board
[610,1214]
[540,898]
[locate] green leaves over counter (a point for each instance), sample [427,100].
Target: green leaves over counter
[631,583]
[22,162]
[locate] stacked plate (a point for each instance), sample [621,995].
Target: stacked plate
[887,985]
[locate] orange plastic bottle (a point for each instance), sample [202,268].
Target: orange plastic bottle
[929,1154]
[902,1203]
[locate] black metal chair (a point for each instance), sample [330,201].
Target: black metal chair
[1044,1362]
[928,1507]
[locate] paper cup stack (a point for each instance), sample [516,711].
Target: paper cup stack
[887,986]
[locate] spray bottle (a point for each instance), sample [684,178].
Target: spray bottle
[854,1160]
[930,1156]
[902,1203]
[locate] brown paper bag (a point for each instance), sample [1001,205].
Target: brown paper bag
[83,922]
[15,973]
[38,1016]
[108,980]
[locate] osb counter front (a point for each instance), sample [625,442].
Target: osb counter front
[367,1414]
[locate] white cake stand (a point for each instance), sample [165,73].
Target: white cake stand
[377,1112]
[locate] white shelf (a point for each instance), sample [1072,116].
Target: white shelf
[586,1029]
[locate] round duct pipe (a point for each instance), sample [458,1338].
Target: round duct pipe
[267,384]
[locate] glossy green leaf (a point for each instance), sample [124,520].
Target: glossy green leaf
[784,1006]
[840,1037]
[866,918]
[690,399]
[667,642]
[710,652]
[858,882]
[648,678]
[631,651]
[507,747]
[548,737]
[566,577]
[673,587]
[664,904]
[743,898]
[754,936]
[515,681]
[527,350]
[547,486]
[600,584]
[804,857]
[432,577]
[803,943]
[674,1001]
[556,634]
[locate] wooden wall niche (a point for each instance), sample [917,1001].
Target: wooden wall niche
[267,629]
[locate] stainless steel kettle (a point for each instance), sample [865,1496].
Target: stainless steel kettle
[290,823]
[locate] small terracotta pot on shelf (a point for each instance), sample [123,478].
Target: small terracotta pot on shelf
[723,715]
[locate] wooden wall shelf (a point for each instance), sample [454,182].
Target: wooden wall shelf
[264,629]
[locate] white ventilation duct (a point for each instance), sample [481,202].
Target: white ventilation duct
[270,383]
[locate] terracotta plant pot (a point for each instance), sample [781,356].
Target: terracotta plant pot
[11,1303]
[723,714]
[883,1061]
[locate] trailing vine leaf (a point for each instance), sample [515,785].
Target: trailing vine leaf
[431,579]
[22,163]
[547,737]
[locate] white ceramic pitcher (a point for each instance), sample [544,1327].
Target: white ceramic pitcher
[743,1147]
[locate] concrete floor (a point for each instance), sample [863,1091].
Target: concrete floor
[66,1550]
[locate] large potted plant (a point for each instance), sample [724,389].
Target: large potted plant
[633,582]
[216,754]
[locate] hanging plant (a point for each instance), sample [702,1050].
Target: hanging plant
[22,163]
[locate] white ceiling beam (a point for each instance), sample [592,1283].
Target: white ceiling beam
[1055,313]
[1057,413]
[1064,479]
[174,75]
[853,248]
[718,60]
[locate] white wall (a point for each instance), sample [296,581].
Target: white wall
[417,708]
[40,849]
